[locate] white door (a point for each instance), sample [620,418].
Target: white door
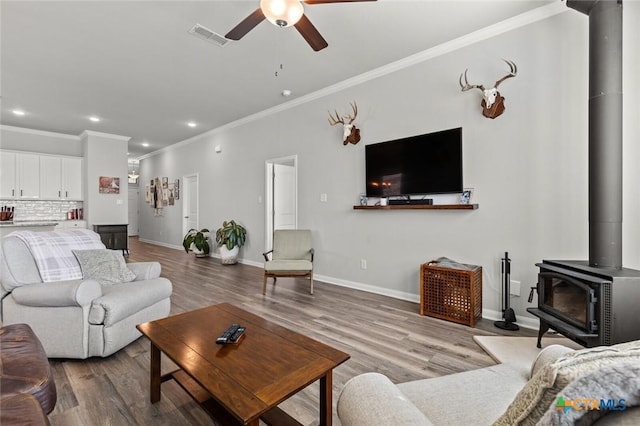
[189,192]
[134,202]
[284,196]
[281,206]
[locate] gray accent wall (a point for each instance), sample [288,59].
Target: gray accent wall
[528,167]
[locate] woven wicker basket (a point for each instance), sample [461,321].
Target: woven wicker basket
[451,294]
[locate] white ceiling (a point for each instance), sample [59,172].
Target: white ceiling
[134,64]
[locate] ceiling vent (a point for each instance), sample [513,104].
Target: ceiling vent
[208,35]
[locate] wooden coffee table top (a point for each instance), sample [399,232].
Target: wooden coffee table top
[270,364]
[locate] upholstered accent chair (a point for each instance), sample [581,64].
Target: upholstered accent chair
[291,256]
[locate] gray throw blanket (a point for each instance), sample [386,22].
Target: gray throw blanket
[613,382]
[445,262]
[52,251]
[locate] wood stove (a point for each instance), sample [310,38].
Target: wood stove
[594,302]
[592,306]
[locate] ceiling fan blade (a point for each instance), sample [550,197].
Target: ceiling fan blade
[246,25]
[310,33]
[333,1]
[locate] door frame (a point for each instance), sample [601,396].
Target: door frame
[186,201]
[269,191]
[134,202]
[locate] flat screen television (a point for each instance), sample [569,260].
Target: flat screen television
[423,164]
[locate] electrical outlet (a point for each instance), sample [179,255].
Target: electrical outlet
[363,263]
[323,198]
[514,288]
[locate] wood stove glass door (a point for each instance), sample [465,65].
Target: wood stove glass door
[567,299]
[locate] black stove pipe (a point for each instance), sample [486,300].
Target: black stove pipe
[605,130]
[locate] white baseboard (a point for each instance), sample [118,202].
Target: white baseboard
[243,261]
[369,288]
[489,314]
[160,243]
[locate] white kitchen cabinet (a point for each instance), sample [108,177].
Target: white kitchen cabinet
[72,181]
[34,176]
[7,174]
[60,178]
[28,176]
[50,177]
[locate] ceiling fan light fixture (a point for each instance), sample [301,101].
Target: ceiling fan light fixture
[282,13]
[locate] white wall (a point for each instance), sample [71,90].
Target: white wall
[631,135]
[105,155]
[528,167]
[20,139]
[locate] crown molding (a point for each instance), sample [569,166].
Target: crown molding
[494,30]
[38,132]
[103,135]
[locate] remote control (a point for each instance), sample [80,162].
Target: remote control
[235,337]
[224,337]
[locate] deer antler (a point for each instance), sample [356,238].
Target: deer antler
[466,86]
[354,107]
[334,121]
[513,70]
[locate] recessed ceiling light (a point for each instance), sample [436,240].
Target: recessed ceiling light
[145,144]
[191,124]
[18,112]
[94,118]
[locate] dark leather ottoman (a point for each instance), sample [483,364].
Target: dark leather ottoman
[24,369]
[22,409]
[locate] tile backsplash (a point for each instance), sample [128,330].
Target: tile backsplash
[40,210]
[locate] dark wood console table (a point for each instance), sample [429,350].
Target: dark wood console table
[114,237]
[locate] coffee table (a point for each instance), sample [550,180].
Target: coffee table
[240,383]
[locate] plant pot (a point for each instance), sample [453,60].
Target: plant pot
[199,253]
[229,257]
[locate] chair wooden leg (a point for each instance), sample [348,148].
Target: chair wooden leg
[311,277]
[264,284]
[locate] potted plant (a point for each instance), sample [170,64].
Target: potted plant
[230,237]
[197,242]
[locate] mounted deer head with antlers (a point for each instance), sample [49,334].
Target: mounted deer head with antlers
[351,134]
[492,101]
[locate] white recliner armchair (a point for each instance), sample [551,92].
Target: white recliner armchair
[79,318]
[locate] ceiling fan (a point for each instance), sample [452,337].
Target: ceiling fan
[285,13]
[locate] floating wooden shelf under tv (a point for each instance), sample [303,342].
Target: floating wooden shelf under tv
[420,207]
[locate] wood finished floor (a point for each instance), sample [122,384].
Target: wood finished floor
[380,333]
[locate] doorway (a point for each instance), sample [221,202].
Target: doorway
[190,203]
[134,210]
[281,204]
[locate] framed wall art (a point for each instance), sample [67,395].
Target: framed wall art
[108,185]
